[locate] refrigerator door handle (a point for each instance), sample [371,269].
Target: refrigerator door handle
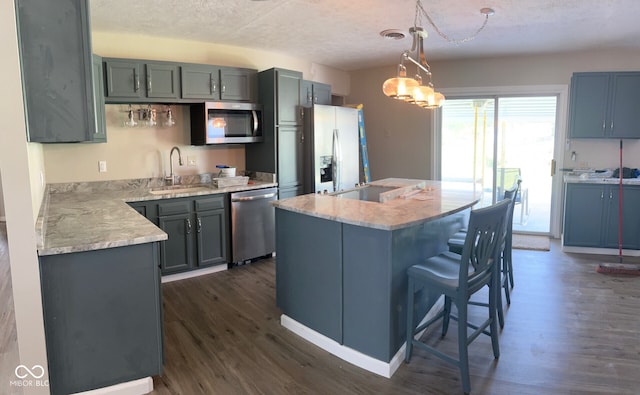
[335,162]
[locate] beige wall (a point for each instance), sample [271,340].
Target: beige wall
[398,134]
[2,218]
[144,152]
[20,167]
[388,124]
[139,152]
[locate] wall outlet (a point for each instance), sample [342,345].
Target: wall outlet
[191,161]
[102,166]
[584,165]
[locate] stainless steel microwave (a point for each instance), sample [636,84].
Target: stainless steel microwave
[226,123]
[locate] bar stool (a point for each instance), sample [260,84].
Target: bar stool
[457,277]
[456,242]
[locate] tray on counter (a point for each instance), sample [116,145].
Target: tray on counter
[223,182]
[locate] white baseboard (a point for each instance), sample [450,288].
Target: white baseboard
[599,251]
[193,273]
[136,387]
[384,369]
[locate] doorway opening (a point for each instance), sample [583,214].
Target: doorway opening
[495,141]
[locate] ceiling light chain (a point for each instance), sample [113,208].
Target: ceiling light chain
[487,12]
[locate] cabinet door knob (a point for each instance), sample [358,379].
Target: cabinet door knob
[149,82]
[199,225]
[224,88]
[188,226]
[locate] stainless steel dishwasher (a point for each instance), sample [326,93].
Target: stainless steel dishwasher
[252,224]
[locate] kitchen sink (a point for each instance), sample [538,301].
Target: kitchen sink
[370,193]
[169,190]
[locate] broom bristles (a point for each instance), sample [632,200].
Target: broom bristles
[619,268]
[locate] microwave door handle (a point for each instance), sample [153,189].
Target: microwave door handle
[254,114]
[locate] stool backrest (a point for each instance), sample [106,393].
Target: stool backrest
[482,246]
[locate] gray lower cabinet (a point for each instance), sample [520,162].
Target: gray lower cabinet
[591,216]
[207,82]
[630,218]
[102,316]
[197,230]
[57,75]
[290,157]
[130,80]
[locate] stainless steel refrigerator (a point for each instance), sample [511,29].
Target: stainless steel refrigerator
[332,154]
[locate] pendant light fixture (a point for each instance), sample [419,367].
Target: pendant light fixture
[414,90]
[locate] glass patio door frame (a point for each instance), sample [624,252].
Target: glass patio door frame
[560,139]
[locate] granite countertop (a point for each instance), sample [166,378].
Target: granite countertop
[79,217]
[412,203]
[600,180]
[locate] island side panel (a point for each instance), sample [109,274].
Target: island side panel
[103,317]
[367,260]
[375,282]
[309,271]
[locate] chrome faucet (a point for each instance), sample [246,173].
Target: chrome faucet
[171,178]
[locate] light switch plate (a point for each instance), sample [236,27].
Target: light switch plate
[102,166]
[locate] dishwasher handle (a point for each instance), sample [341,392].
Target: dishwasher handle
[257,197]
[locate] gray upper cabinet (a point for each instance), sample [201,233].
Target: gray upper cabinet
[314,93]
[100,132]
[238,84]
[138,81]
[604,105]
[218,83]
[200,81]
[55,53]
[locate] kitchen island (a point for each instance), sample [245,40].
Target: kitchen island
[342,261]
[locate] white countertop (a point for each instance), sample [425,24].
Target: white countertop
[96,217]
[431,200]
[600,180]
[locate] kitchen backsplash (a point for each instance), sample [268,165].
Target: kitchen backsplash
[135,183]
[602,154]
[138,152]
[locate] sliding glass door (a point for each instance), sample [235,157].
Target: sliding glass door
[496,141]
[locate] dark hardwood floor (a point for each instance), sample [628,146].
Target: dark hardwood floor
[569,330]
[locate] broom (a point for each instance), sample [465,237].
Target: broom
[619,268]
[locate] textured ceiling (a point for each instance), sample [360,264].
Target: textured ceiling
[345,33]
